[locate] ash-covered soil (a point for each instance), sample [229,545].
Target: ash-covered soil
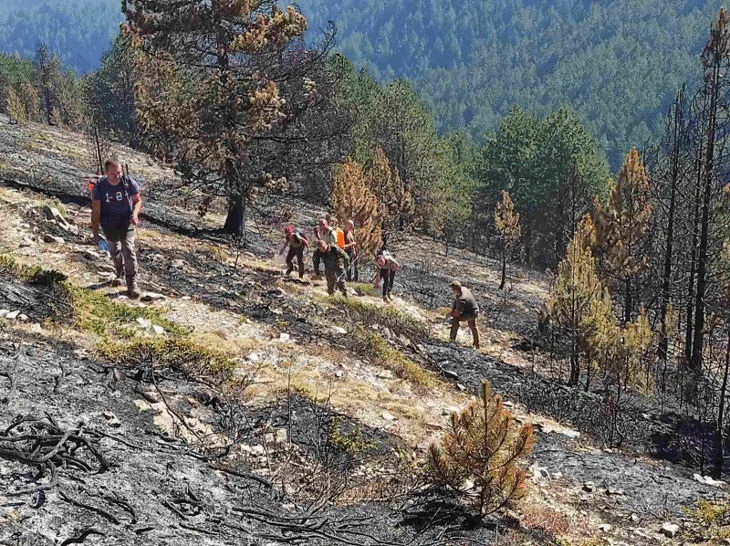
[80,463]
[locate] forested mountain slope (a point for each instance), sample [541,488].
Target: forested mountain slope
[618,63]
[78,31]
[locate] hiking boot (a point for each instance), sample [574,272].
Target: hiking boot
[117,281]
[385,299]
[390,297]
[133,288]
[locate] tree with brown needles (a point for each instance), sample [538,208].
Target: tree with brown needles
[353,199]
[14,107]
[481,453]
[507,222]
[620,226]
[228,95]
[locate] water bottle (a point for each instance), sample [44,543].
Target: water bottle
[103,245]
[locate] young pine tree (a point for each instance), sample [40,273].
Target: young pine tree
[580,302]
[481,453]
[352,199]
[507,222]
[621,225]
[14,107]
[394,198]
[30,101]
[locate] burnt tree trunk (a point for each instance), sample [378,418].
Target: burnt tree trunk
[720,432]
[708,175]
[667,273]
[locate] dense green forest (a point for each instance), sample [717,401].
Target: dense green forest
[616,63]
[78,31]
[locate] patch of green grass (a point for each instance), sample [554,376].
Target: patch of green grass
[174,352]
[351,442]
[393,317]
[386,356]
[95,312]
[56,204]
[215,253]
[24,273]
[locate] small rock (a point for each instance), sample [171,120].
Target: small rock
[4,313]
[669,530]
[23,318]
[26,243]
[611,491]
[257,450]
[36,328]
[339,374]
[52,213]
[339,330]
[707,480]
[152,296]
[557,475]
[590,487]
[388,416]
[142,406]
[159,330]
[113,421]
[448,410]
[460,387]
[283,337]
[574,434]
[185,298]
[53,239]
[539,472]
[250,255]
[143,322]
[605,527]
[634,518]
[404,340]
[12,315]
[281,436]
[254,357]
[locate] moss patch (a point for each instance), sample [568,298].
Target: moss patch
[95,312]
[384,355]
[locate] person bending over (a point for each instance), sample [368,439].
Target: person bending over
[464,308]
[335,262]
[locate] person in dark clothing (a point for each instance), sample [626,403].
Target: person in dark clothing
[297,243]
[115,206]
[351,249]
[387,266]
[335,262]
[464,308]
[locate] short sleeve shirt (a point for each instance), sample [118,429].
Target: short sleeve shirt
[116,201]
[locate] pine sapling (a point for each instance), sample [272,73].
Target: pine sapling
[507,222]
[480,455]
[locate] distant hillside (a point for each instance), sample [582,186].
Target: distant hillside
[618,63]
[77,31]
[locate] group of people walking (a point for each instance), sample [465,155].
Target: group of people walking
[116,205]
[338,251]
[339,256]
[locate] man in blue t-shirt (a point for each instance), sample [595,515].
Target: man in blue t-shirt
[115,205]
